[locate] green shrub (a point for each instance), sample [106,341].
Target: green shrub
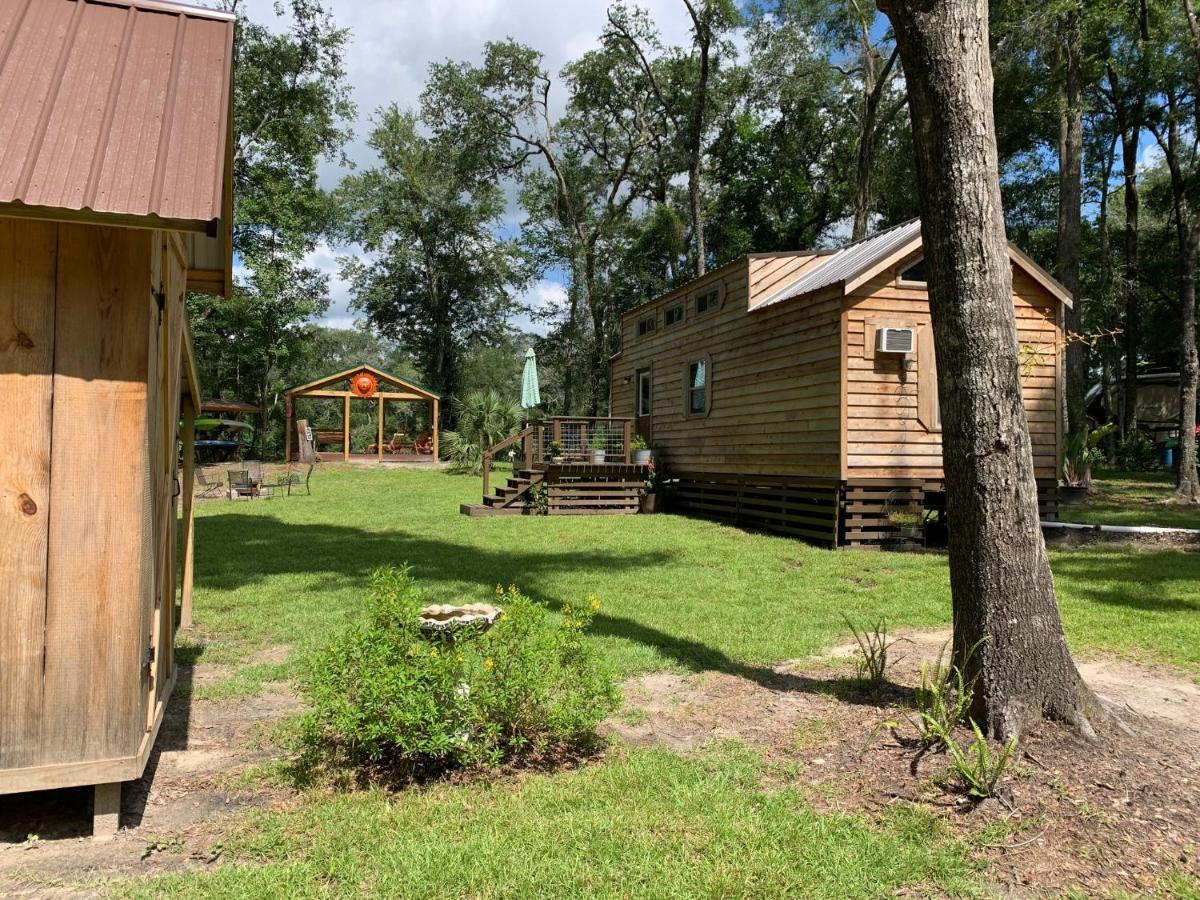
[1137,454]
[872,661]
[386,700]
[978,768]
[483,419]
[944,697]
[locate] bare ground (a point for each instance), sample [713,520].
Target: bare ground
[1117,814]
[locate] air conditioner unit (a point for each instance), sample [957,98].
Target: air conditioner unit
[895,340]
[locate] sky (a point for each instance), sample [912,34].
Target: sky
[394,41]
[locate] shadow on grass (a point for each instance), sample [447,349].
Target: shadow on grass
[256,548]
[1138,579]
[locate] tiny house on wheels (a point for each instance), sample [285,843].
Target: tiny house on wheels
[797,392]
[115,200]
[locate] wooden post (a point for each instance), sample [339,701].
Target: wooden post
[628,440]
[379,444]
[528,441]
[434,429]
[288,413]
[106,810]
[189,517]
[346,428]
[487,473]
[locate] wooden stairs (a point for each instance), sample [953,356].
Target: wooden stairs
[508,500]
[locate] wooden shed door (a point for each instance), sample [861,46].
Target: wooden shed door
[167,348]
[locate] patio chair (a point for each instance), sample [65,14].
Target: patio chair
[423,445]
[209,486]
[241,484]
[396,444]
[288,479]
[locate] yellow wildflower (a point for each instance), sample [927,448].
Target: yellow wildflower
[499,591]
[488,664]
[594,602]
[512,588]
[433,652]
[503,616]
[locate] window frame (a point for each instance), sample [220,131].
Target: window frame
[652,318]
[901,281]
[717,287]
[680,305]
[648,375]
[706,360]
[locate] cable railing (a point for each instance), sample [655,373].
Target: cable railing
[584,440]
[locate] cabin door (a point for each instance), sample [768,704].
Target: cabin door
[166,358]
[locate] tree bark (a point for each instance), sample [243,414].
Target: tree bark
[1130,135]
[874,84]
[1070,192]
[701,21]
[1001,587]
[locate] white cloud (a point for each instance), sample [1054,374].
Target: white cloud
[542,296]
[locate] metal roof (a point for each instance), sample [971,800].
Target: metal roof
[847,262]
[115,108]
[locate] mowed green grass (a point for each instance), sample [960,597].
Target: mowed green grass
[677,593]
[647,823]
[1132,498]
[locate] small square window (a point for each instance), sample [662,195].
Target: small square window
[673,315]
[646,324]
[708,300]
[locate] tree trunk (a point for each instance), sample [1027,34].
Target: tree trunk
[1070,191]
[1001,586]
[874,84]
[1130,136]
[1188,484]
[702,24]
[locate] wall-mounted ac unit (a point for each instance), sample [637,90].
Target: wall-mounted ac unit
[895,340]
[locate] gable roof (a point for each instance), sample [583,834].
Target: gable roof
[120,112]
[379,374]
[862,260]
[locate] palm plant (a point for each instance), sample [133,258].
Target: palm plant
[484,419]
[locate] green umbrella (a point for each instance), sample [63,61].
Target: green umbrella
[531,396]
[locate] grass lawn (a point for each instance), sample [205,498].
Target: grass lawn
[677,594]
[1132,498]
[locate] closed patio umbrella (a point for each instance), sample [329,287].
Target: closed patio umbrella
[531,395]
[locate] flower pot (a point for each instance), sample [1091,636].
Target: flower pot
[1071,494]
[557,460]
[641,457]
[648,503]
[597,457]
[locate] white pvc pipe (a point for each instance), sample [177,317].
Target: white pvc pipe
[1121,529]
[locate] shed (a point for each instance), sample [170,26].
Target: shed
[776,402]
[115,200]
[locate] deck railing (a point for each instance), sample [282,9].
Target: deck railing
[578,435]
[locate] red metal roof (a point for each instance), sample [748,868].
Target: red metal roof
[120,108]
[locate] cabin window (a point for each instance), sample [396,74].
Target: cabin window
[698,379]
[708,299]
[646,324]
[673,315]
[645,392]
[914,272]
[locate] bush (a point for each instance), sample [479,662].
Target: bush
[483,420]
[1137,454]
[385,699]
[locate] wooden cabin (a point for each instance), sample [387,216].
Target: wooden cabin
[797,392]
[115,200]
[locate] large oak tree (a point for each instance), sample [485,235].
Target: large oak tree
[1001,585]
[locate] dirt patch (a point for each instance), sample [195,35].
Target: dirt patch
[1063,538]
[1118,813]
[171,818]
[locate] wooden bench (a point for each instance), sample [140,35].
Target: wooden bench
[329,438]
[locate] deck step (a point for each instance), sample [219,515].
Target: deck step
[478,509]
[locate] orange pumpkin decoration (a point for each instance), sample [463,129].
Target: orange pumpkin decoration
[364,385]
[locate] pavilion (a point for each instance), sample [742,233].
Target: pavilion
[364,382]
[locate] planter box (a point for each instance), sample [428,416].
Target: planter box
[641,457]
[597,457]
[648,503]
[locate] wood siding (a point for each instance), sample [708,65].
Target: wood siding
[774,401]
[86,480]
[888,398]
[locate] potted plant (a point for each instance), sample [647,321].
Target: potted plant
[641,450]
[648,502]
[908,528]
[597,445]
[1080,451]
[556,452]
